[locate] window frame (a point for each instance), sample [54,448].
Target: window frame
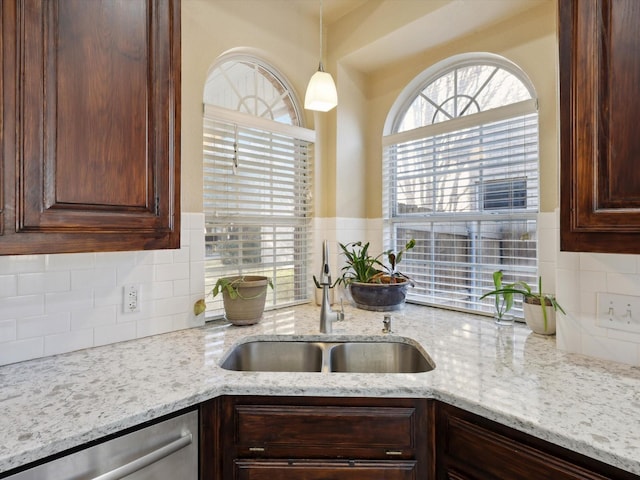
[395,118]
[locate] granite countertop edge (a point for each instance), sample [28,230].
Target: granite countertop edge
[477,367]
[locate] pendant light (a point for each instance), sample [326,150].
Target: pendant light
[321,92]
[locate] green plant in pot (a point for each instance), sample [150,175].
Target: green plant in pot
[374,284]
[243,297]
[503,301]
[539,308]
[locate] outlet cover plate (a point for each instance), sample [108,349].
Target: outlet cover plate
[620,312]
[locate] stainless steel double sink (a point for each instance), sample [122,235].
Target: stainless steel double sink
[369,355]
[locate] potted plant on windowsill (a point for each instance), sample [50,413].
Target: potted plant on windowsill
[374,285]
[243,297]
[503,301]
[539,308]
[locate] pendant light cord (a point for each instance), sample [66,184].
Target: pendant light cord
[321,66]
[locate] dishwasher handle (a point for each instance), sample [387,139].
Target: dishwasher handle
[148,459]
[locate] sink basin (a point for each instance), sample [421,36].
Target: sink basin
[378,357]
[386,355]
[275,356]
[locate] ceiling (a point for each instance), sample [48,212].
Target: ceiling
[434,28]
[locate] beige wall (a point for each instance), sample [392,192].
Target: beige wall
[529,41]
[275,30]
[348,164]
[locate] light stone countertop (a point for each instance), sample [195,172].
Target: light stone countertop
[509,375]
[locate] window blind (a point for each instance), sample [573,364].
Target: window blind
[257,206]
[469,197]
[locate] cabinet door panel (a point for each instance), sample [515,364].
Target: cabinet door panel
[323,470]
[474,448]
[599,101]
[91,96]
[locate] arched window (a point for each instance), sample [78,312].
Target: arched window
[257,172]
[461,177]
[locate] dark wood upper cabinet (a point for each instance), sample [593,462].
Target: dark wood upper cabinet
[600,144]
[91,125]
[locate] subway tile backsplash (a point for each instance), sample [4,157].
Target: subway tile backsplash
[578,278]
[52,304]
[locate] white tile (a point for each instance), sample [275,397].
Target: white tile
[93,317]
[162,256]
[21,350]
[568,289]
[8,285]
[7,330]
[69,261]
[608,262]
[568,333]
[547,270]
[68,342]
[181,255]
[196,278]
[154,326]
[135,274]
[108,296]
[121,332]
[610,349]
[591,281]
[546,221]
[181,322]
[158,290]
[568,260]
[174,271]
[180,288]
[21,263]
[588,303]
[69,301]
[170,306]
[547,248]
[44,282]
[116,259]
[99,278]
[126,317]
[196,247]
[44,325]
[624,284]
[22,306]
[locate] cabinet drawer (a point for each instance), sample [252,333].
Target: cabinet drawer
[325,426]
[322,470]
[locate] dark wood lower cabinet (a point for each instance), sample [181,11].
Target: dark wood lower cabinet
[326,438]
[470,447]
[325,469]
[315,438]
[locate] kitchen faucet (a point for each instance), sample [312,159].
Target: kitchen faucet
[327,316]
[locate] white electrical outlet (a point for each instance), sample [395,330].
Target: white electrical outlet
[131,298]
[621,312]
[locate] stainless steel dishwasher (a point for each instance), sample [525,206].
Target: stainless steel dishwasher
[165,450]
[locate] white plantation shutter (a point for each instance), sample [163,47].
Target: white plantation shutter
[257,203]
[467,191]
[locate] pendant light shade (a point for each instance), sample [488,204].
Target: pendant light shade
[321,92]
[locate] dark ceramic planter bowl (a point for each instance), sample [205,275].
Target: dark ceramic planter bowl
[379,297]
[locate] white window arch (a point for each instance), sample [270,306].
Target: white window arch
[257,171]
[461,177]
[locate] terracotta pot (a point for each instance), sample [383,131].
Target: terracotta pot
[380,297]
[248,307]
[534,317]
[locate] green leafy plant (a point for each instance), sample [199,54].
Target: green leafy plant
[363,267]
[503,300]
[231,286]
[528,295]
